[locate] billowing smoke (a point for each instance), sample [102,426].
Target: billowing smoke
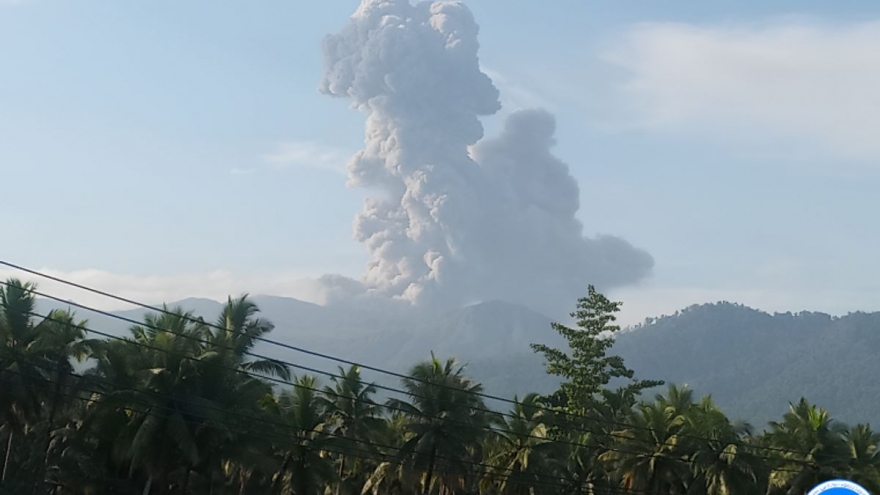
[457,219]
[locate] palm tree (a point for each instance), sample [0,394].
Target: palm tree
[389,477]
[171,379]
[237,331]
[21,365]
[445,416]
[648,457]
[864,456]
[354,416]
[304,444]
[108,414]
[180,393]
[722,463]
[591,435]
[230,381]
[153,393]
[678,400]
[522,453]
[229,436]
[59,339]
[811,449]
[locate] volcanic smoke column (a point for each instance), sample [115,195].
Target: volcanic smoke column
[447,229]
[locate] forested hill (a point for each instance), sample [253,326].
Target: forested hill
[753,363]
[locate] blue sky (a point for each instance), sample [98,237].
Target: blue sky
[166,149]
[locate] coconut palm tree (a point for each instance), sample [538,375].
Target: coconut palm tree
[648,457]
[522,453]
[722,463]
[181,393]
[22,365]
[864,456]
[390,476]
[354,417]
[304,443]
[237,330]
[678,400]
[230,390]
[152,391]
[60,339]
[810,449]
[107,418]
[446,419]
[590,435]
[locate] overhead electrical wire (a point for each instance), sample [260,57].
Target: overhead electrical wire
[298,349]
[282,381]
[373,455]
[264,377]
[332,393]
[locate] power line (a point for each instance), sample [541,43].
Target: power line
[332,393]
[293,365]
[152,406]
[196,320]
[336,359]
[131,342]
[285,425]
[373,455]
[305,368]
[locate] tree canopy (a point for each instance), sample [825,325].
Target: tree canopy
[184,406]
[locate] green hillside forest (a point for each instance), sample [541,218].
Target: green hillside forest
[182,405]
[753,362]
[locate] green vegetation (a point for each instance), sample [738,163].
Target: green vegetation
[181,406]
[754,363]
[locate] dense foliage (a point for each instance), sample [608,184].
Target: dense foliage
[184,406]
[753,363]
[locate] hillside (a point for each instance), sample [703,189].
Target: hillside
[491,338]
[753,363]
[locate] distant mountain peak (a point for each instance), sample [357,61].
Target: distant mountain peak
[283,299]
[188,301]
[497,305]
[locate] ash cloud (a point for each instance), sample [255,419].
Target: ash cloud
[457,218]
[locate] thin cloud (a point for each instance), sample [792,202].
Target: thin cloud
[154,289]
[515,95]
[802,82]
[308,154]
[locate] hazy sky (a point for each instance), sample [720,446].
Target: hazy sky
[167,149]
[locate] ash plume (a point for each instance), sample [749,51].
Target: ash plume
[457,218]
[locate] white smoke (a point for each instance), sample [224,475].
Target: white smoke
[457,220]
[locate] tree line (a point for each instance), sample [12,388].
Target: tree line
[182,405]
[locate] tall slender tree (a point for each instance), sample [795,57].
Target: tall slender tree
[722,462]
[522,454]
[810,446]
[60,339]
[588,369]
[446,419]
[354,417]
[22,365]
[305,466]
